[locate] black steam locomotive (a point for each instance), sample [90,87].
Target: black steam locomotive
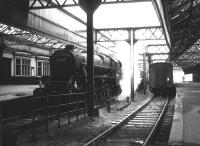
[161,79]
[68,72]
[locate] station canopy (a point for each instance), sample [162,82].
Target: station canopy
[51,24]
[181,20]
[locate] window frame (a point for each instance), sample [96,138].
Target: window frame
[44,68]
[24,67]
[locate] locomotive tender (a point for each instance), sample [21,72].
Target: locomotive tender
[68,72]
[161,79]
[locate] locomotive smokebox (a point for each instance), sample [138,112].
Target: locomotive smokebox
[63,65]
[69,48]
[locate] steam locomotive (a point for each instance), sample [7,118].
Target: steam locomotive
[161,79]
[68,72]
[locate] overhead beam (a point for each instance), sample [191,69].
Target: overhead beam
[155,54]
[47,4]
[128,28]
[141,33]
[154,60]
[156,45]
[162,15]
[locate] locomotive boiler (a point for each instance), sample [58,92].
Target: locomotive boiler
[161,79]
[68,72]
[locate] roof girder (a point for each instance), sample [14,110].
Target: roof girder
[184,22]
[46,4]
[28,37]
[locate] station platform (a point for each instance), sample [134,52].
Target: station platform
[15,91]
[186,121]
[185,129]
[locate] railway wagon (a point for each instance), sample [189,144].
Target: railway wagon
[68,72]
[161,79]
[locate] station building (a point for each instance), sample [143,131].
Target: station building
[23,64]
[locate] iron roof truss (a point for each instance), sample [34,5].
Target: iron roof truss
[184,23]
[140,33]
[45,4]
[28,37]
[158,52]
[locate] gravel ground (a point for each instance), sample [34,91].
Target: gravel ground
[80,132]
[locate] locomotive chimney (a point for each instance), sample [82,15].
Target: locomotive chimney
[70,47]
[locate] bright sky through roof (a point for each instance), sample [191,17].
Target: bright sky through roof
[121,15]
[126,15]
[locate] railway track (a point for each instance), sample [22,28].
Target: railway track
[161,136]
[136,127]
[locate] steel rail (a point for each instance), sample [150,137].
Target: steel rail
[156,124]
[113,128]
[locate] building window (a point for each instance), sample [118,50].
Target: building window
[22,67]
[43,68]
[18,66]
[46,69]
[39,65]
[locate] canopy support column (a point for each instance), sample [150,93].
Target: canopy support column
[132,43]
[89,6]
